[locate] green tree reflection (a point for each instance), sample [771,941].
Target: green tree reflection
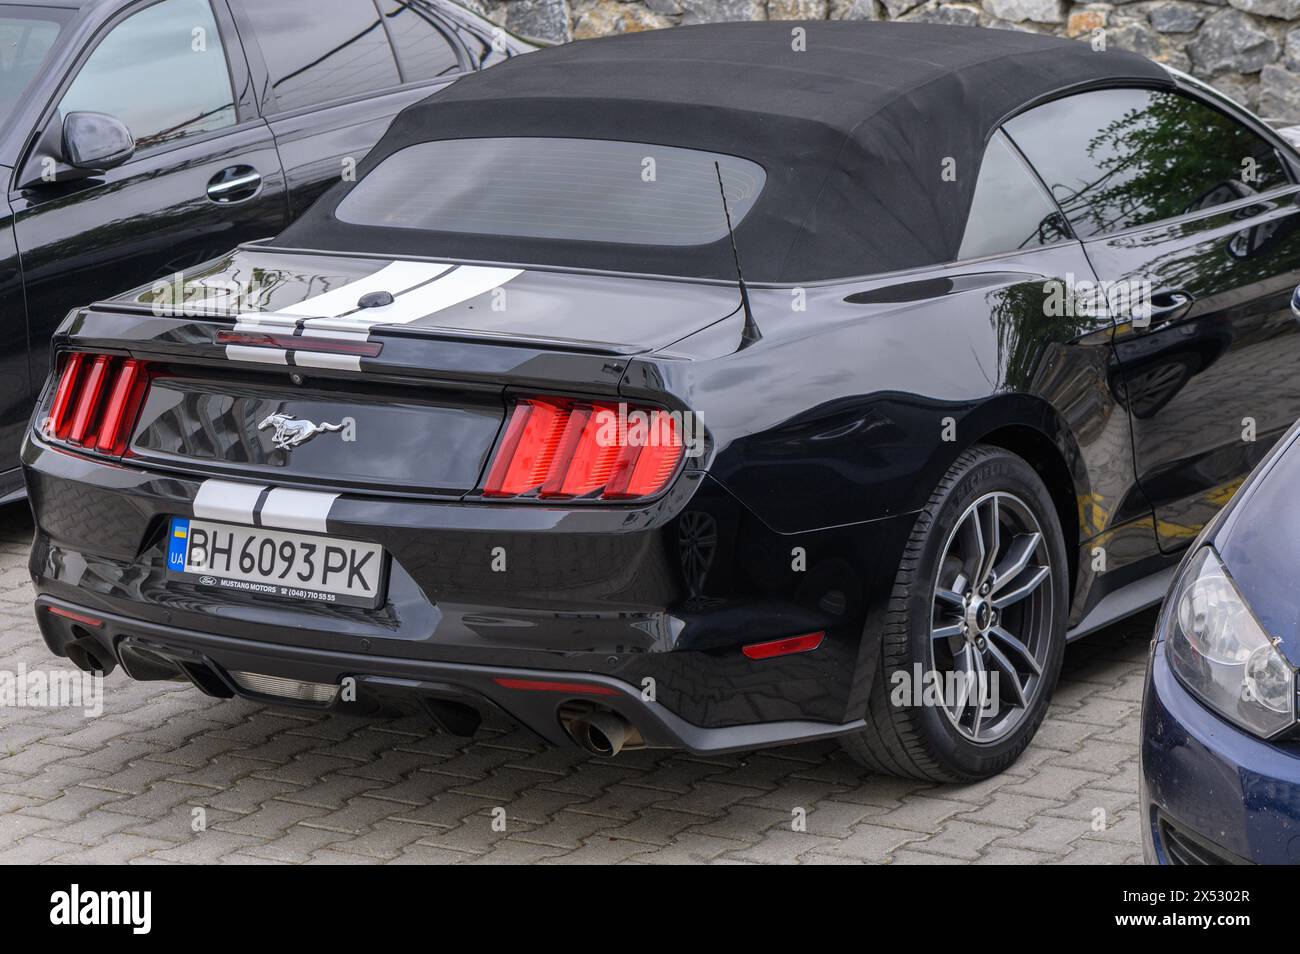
[1171,156]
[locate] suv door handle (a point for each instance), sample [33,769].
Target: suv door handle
[1168,305]
[234,184]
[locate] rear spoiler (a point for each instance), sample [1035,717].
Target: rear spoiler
[405,357]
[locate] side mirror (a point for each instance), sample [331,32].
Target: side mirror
[95,142]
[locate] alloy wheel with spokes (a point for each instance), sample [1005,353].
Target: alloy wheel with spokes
[991,618]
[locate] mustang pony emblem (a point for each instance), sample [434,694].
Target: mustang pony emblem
[290,432]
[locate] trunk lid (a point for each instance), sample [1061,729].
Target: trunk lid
[324,295]
[264,364]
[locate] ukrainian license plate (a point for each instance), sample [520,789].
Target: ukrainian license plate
[276,563]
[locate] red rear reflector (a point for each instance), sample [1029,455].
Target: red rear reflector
[249,339]
[558,448]
[97,401]
[76,617]
[784,647]
[541,685]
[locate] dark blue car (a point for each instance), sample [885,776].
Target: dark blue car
[1220,745]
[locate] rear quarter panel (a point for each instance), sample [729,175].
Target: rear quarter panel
[858,396]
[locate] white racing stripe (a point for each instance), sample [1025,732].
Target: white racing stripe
[258,355]
[281,507]
[419,289]
[462,284]
[343,329]
[397,278]
[326,359]
[296,509]
[227,500]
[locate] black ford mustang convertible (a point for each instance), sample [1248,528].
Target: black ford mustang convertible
[716,388]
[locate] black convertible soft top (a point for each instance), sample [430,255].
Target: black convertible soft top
[853,131]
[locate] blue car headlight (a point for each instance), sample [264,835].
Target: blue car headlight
[1222,655]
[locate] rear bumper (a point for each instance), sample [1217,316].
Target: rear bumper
[531,697]
[661,596]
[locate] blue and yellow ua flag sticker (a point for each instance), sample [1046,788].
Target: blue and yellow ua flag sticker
[180,538]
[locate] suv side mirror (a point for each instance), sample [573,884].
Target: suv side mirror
[95,142]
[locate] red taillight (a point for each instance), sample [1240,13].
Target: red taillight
[561,448]
[532,438]
[61,410]
[123,406]
[89,401]
[593,462]
[97,401]
[640,475]
[784,647]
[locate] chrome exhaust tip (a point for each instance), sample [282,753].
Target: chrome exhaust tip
[601,733]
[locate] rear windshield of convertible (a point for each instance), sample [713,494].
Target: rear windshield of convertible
[588,190]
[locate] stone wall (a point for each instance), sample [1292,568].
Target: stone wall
[1250,49]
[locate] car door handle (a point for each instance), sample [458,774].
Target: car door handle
[234,184]
[1168,305]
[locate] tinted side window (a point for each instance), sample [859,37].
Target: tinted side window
[319,50]
[161,71]
[422,49]
[1122,157]
[1009,210]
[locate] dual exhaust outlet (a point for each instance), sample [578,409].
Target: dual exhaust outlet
[601,732]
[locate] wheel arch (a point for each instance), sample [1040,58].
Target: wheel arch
[1031,429]
[1040,453]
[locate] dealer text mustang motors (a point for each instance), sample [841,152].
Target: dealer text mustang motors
[713,388]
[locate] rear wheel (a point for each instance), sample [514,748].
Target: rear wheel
[975,630]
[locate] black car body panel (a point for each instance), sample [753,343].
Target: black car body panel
[1189,456]
[632,595]
[828,413]
[561,611]
[66,243]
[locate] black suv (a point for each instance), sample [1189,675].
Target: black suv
[139,137]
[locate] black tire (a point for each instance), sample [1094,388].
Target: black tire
[923,741]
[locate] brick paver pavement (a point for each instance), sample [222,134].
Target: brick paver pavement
[274,786]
